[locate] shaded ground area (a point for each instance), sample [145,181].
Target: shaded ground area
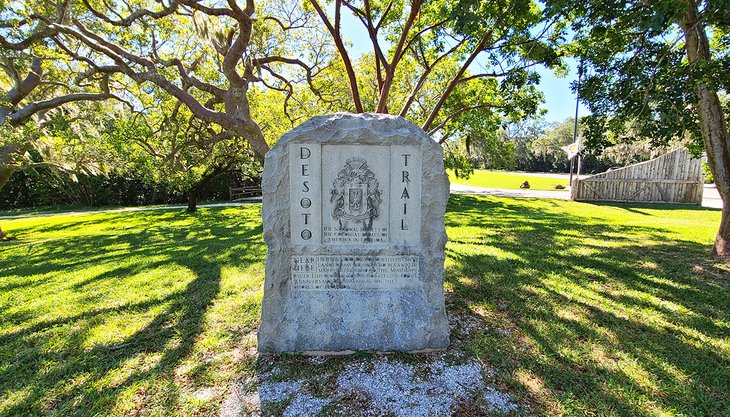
[566,308]
[595,309]
[128,313]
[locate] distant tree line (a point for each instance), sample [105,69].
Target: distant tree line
[534,145]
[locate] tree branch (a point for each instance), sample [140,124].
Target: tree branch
[187,80]
[210,11]
[291,61]
[282,25]
[422,79]
[135,15]
[22,115]
[390,69]
[366,19]
[496,74]
[343,54]
[31,81]
[457,113]
[455,80]
[235,53]
[107,48]
[422,31]
[24,44]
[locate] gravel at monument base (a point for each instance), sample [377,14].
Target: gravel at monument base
[385,386]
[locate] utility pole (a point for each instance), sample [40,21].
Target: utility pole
[575,126]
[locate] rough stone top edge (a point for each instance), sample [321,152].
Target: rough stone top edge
[350,120]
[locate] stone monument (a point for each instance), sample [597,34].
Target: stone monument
[353,212]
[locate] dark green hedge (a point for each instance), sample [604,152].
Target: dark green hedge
[44,188]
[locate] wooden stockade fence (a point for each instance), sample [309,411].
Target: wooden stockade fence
[675,177]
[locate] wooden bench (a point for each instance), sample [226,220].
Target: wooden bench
[241,193]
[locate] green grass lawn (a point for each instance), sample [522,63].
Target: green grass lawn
[501,179]
[580,309]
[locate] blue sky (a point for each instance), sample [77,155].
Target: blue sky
[559,99]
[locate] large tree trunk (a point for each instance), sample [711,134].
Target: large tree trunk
[193,199]
[722,241]
[712,122]
[5,174]
[198,188]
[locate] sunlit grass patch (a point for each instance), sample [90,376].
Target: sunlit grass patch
[502,179]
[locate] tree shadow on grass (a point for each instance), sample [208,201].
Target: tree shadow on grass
[108,277]
[638,207]
[586,316]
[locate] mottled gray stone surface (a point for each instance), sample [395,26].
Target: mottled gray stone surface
[372,221]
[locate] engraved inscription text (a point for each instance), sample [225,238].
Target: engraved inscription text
[358,273]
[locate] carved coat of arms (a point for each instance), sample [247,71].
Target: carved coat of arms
[355,193]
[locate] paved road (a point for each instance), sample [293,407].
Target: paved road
[710,196]
[509,192]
